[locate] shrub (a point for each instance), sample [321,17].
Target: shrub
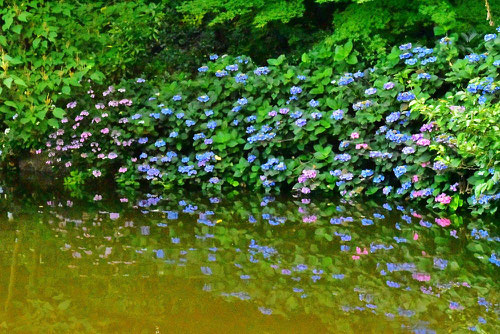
[328,123]
[47,47]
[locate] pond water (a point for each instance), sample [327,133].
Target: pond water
[189,263]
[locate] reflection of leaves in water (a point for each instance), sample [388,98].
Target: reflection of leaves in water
[277,264]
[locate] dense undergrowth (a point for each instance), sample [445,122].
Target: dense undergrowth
[421,124]
[48,47]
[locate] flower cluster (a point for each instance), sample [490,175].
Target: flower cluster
[238,124]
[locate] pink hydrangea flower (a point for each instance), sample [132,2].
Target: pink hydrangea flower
[309,219]
[421,277]
[443,198]
[423,142]
[443,222]
[71,105]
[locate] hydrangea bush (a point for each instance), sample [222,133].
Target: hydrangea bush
[421,124]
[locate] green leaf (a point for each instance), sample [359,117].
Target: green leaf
[23,17]
[8,82]
[66,90]
[97,76]
[475,247]
[11,104]
[58,113]
[352,60]
[17,28]
[439,31]
[305,58]
[20,82]
[36,42]
[371,190]
[8,21]
[53,123]
[348,47]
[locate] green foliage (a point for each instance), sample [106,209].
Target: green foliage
[47,47]
[36,65]
[240,125]
[377,25]
[374,24]
[475,151]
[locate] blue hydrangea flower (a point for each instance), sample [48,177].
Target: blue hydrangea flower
[366,172]
[316,115]
[489,37]
[399,170]
[345,80]
[405,47]
[411,61]
[361,105]
[160,143]
[359,74]
[212,125]
[370,91]
[203,98]
[406,96]
[301,122]
[426,76]
[445,41]
[261,71]
[473,58]
[406,55]
[393,117]
[313,103]
[220,73]
[338,114]
[241,78]
[295,90]
[343,157]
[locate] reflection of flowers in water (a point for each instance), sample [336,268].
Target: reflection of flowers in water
[245,251]
[265,311]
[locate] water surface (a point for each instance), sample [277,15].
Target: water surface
[194,263]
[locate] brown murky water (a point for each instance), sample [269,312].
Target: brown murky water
[240,264]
